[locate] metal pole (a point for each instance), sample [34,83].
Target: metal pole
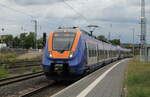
[133,41]
[35,38]
[91,33]
[92,30]
[109,34]
[120,38]
[143,32]
[143,23]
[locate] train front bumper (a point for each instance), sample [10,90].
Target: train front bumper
[60,70]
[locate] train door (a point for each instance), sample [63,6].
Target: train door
[93,57]
[89,53]
[104,52]
[96,53]
[101,52]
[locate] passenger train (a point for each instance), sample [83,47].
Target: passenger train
[71,52]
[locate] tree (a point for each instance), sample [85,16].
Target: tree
[29,41]
[16,42]
[102,37]
[8,39]
[115,41]
[22,40]
[40,43]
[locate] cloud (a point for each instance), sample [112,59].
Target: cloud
[122,14]
[35,2]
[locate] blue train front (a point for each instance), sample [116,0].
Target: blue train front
[64,54]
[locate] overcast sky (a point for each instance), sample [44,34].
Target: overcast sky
[123,15]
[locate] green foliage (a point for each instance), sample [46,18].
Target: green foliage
[36,69]
[40,43]
[24,40]
[138,92]
[115,41]
[102,37]
[138,79]
[29,41]
[7,57]
[3,72]
[8,39]
[16,42]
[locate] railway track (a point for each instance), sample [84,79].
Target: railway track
[21,66]
[21,62]
[40,87]
[15,65]
[35,91]
[45,90]
[15,79]
[18,66]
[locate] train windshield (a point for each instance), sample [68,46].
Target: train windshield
[63,41]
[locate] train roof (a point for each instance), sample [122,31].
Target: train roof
[74,29]
[71,29]
[65,29]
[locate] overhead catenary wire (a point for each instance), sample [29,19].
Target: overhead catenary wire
[3,5]
[76,11]
[18,11]
[87,20]
[66,3]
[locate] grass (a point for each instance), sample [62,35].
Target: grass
[3,72]
[138,78]
[7,57]
[11,57]
[35,69]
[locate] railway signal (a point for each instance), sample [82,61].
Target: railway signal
[44,38]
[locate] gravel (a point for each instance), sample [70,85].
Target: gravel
[14,90]
[52,89]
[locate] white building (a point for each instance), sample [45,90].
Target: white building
[2,45]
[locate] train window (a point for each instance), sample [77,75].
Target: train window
[99,53]
[90,53]
[102,54]
[63,41]
[89,49]
[94,52]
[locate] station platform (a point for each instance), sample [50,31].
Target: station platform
[105,82]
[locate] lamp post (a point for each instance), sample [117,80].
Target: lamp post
[3,29]
[92,27]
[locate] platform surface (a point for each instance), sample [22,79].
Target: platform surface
[105,82]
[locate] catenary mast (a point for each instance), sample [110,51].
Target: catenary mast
[143,32]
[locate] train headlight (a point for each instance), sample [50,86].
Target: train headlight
[50,54]
[71,55]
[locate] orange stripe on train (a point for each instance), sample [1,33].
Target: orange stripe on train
[50,39]
[74,46]
[63,55]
